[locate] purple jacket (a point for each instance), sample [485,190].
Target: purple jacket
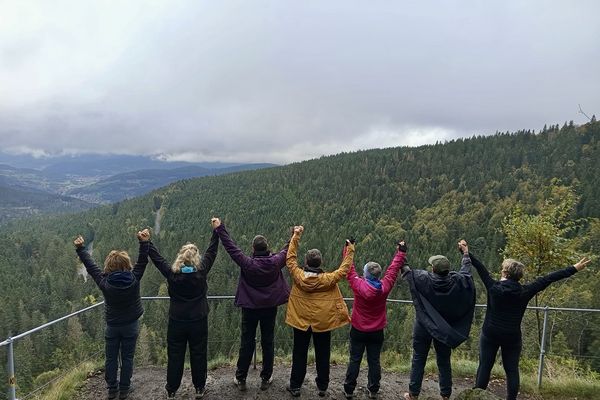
[261,283]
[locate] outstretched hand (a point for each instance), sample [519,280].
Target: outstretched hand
[79,242]
[215,222]
[582,264]
[143,235]
[463,247]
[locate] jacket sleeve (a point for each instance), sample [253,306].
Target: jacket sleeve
[236,254]
[465,265]
[280,257]
[391,274]
[90,265]
[140,266]
[543,282]
[208,259]
[159,261]
[353,278]
[332,278]
[291,259]
[484,274]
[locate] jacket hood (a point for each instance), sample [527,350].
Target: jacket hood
[312,283]
[441,283]
[120,279]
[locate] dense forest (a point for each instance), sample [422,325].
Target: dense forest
[476,188]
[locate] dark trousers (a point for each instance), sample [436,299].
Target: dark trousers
[421,345]
[322,343]
[120,339]
[359,341]
[179,334]
[511,352]
[250,320]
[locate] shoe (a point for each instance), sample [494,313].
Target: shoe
[408,396]
[265,383]
[241,385]
[445,397]
[372,395]
[200,393]
[348,395]
[123,394]
[322,392]
[295,392]
[112,394]
[170,395]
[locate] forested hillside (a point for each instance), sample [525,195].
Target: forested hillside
[431,196]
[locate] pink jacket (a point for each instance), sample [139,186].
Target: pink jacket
[369,308]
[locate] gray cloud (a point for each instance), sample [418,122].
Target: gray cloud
[284,81]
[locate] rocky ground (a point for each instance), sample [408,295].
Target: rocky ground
[149,385]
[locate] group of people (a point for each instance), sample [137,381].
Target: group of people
[444,302]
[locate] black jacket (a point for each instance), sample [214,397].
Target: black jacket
[187,290]
[444,304]
[121,290]
[507,300]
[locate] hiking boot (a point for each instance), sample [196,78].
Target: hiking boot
[241,384]
[372,395]
[265,383]
[124,393]
[445,397]
[200,392]
[322,392]
[170,395]
[112,394]
[295,392]
[348,395]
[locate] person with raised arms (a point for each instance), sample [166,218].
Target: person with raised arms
[120,285]
[444,304]
[315,308]
[261,289]
[369,318]
[188,311]
[507,301]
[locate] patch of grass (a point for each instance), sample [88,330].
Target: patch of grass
[66,387]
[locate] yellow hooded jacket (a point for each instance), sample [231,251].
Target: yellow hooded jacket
[315,299]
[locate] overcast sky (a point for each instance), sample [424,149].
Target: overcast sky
[282,81]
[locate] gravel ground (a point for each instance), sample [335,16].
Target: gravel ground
[149,384]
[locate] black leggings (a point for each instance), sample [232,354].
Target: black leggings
[511,352]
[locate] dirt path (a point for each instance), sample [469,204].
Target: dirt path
[149,385]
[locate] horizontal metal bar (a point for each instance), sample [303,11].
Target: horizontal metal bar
[230,297]
[47,324]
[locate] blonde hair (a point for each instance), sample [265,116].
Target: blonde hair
[188,255]
[512,269]
[117,260]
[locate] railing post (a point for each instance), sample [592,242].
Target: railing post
[12,382]
[542,349]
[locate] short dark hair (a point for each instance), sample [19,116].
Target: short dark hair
[313,258]
[512,269]
[259,243]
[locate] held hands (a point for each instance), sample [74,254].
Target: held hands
[402,246]
[298,230]
[582,264]
[143,235]
[463,247]
[215,222]
[79,242]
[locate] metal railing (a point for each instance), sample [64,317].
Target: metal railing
[9,342]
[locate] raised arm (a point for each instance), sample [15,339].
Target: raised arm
[332,278]
[280,257]
[208,259]
[543,282]
[391,274]
[236,254]
[159,261]
[140,266]
[291,259]
[87,260]
[469,260]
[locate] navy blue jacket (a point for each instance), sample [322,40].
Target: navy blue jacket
[121,289]
[444,304]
